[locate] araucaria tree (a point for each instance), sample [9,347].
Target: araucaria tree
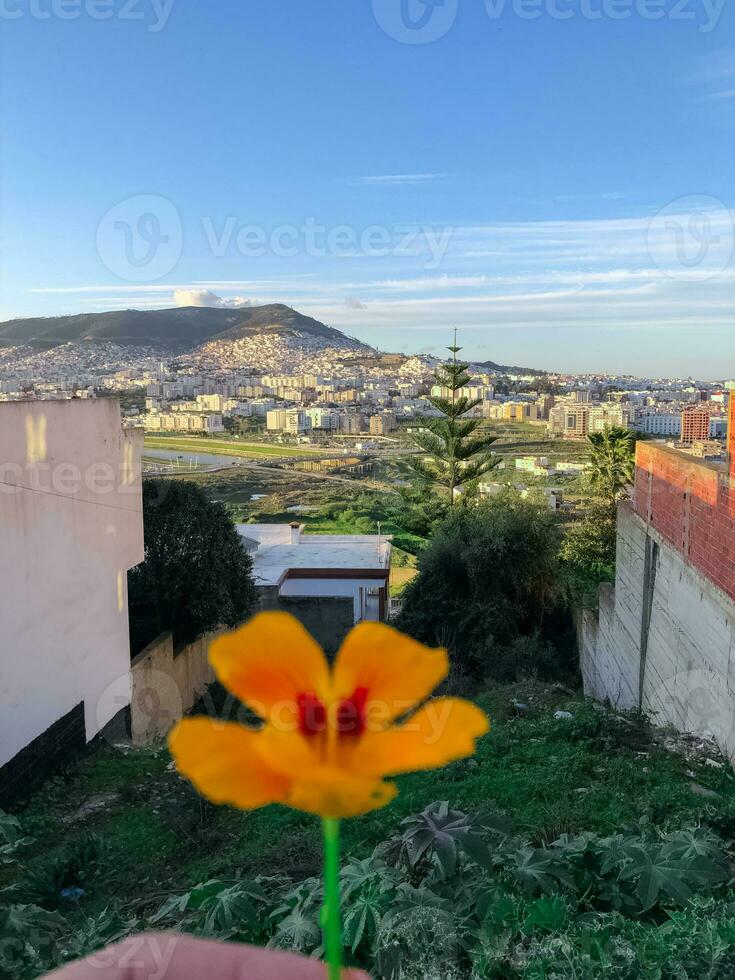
[454,452]
[612,462]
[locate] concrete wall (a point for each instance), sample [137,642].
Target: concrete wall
[328,618]
[165,687]
[70,528]
[663,639]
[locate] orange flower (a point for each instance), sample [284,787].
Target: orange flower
[328,736]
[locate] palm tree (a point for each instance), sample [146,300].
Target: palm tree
[612,462]
[453,452]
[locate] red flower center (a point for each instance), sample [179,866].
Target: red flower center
[349,717]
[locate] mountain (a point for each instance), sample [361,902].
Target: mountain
[184,326]
[505,368]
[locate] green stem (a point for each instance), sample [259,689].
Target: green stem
[330,919]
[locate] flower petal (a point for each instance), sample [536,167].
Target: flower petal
[270,661]
[222,761]
[332,792]
[443,730]
[397,671]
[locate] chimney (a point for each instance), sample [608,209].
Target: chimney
[295,532]
[730,385]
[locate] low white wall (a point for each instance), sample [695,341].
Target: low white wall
[687,647]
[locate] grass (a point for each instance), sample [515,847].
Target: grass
[225,447]
[597,772]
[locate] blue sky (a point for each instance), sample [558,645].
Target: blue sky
[559,189]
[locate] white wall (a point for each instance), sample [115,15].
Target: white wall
[689,671]
[70,528]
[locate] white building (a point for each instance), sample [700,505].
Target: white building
[291,420]
[658,423]
[319,565]
[183,422]
[71,526]
[323,418]
[608,415]
[535,465]
[570,467]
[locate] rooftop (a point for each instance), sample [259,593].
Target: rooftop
[276,549]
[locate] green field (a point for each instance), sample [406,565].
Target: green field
[225,447]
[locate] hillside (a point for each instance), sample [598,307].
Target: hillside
[505,368]
[186,326]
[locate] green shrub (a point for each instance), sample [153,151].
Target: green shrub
[486,590]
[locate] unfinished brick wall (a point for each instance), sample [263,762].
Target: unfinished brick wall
[691,503]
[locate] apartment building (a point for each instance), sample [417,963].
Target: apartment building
[695,425]
[382,424]
[323,418]
[517,411]
[657,423]
[607,416]
[293,421]
[577,420]
[544,404]
[568,420]
[183,422]
[211,403]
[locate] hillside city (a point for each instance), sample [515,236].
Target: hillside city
[303,387]
[569,537]
[367,490]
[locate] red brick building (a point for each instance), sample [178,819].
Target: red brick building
[662,640]
[691,503]
[694,425]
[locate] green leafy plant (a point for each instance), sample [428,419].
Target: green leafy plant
[215,907]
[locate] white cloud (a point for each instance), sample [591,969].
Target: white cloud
[716,74]
[387,180]
[205,297]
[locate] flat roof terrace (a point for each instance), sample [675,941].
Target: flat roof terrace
[282,550]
